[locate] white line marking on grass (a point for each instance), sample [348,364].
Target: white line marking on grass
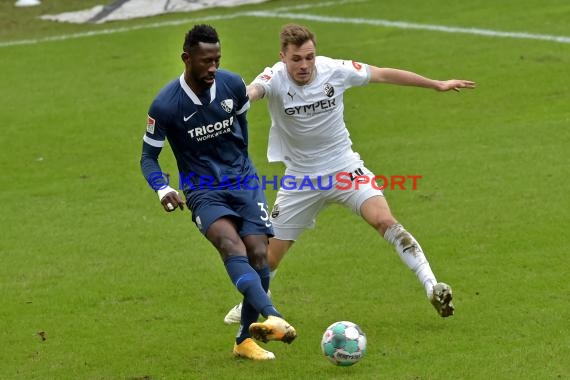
[166,23]
[318,5]
[411,25]
[117,30]
[280,13]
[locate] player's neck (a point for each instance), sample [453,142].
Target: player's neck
[196,87]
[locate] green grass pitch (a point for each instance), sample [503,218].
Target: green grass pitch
[98,282]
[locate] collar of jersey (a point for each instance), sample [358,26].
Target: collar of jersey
[191,93]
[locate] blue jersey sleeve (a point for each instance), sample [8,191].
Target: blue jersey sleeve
[242,106]
[153,141]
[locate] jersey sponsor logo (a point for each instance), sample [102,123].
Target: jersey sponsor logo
[150,123]
[321,106]
[291,93]
[357,65]
[186,118]
[209,131]
[227,105]
[329,90]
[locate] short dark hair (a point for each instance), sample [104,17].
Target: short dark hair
[200,33]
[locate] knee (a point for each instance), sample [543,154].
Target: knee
[227,245]
[382,224]
[257,255]
[377,213]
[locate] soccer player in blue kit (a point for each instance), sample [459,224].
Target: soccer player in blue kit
[202,114]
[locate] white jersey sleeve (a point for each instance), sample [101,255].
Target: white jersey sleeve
[355,73]
[264,79]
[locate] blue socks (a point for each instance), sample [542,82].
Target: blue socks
[253,285]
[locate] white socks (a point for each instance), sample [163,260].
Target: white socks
[412,255]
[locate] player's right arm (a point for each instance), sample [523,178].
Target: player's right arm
[255,91]
[261,85]
[153,141]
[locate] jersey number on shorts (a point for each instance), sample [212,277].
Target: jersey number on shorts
[264,214]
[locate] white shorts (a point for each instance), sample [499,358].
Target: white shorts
[300,199]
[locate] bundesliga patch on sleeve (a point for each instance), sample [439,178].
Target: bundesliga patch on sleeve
[266,75]
[150,125]
[357,65]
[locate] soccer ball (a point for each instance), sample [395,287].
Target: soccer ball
[344,343]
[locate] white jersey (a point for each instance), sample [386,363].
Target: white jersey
[307,132]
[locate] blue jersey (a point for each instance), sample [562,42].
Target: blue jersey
[207,132]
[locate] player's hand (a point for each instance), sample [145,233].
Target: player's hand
[170,199]
[455,85]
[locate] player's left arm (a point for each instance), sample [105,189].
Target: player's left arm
[408,78]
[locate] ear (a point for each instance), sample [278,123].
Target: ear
[185,56]
[282,56]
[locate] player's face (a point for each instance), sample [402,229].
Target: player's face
[300,62]
[201,65]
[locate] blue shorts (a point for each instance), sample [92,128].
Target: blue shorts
[248,208]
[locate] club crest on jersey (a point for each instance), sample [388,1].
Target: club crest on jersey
[227,105]
[329,90]
[150,125]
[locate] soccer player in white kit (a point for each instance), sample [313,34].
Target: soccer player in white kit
[308,134]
